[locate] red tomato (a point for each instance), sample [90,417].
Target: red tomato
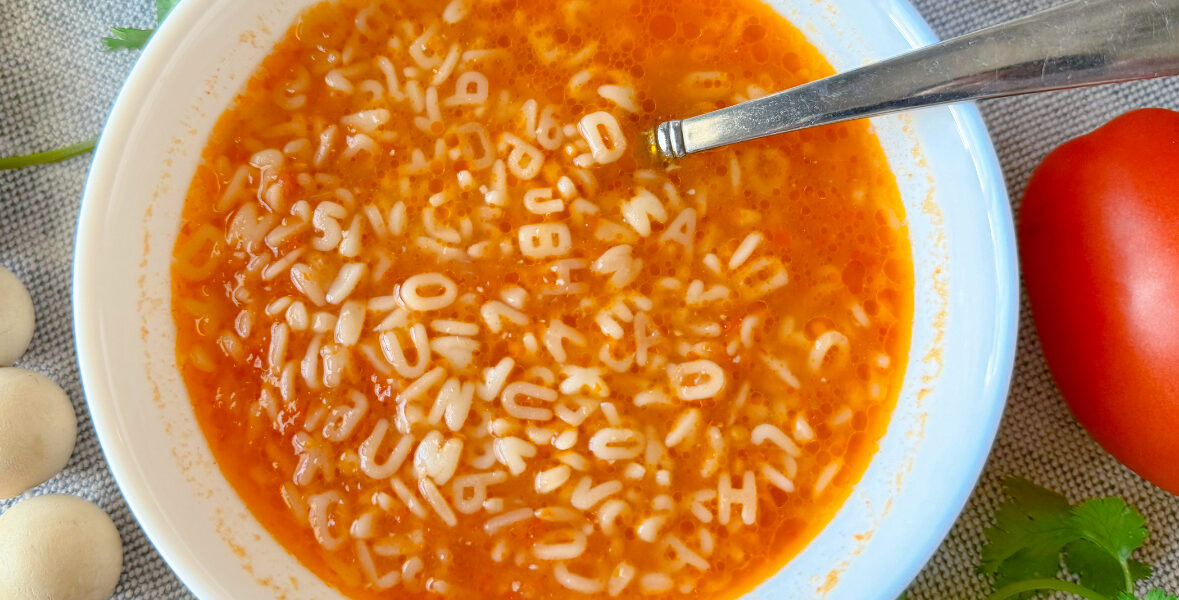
[1099,242]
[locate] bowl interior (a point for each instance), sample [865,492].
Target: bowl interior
[929,459]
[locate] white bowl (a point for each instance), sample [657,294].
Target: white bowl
[929,459]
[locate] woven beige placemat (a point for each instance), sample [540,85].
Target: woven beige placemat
[56,86]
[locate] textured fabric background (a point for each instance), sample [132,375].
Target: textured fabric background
[56,86]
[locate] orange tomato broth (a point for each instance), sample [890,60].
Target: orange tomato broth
[824,201]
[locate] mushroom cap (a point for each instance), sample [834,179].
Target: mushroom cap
[16,318]
[58,547]
[38,429]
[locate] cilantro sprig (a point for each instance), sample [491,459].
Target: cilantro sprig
[1041,543]
[49,156]
[120,38]
[1036,531]
[132,38]
[127,38]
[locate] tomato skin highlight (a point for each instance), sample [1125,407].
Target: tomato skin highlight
[1099,243]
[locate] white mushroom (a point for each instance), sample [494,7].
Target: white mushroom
[16,318]
[37,430]
[59,547]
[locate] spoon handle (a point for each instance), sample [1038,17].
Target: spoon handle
[1080,43]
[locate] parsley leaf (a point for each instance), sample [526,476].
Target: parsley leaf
[127,38]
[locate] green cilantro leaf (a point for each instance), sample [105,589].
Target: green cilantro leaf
[1140,570]
[1035,527]
[163,7]
[1029,532]
[1155,594]
[1111,524]
[1034,562]
[1098,570]
[133,38]
[126,38]
[1159,595]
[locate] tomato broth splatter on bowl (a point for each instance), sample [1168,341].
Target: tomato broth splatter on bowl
[448,336]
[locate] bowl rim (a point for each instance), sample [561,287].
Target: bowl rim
[135,488]
[918,32]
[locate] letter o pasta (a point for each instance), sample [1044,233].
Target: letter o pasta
[444,292]
[697,380]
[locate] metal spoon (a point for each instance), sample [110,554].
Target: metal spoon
[1084,42]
